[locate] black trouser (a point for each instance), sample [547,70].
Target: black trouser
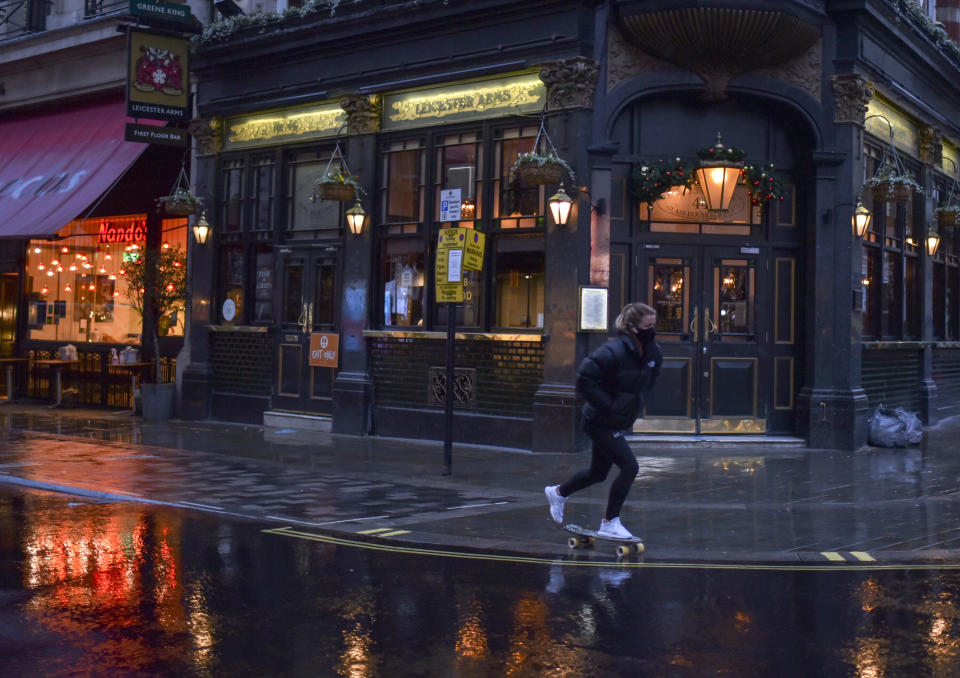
[609,448]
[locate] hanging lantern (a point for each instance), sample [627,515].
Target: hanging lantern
[356,216]
[861,220]
[933,242]
[201,229]
[718,177]
[560,204]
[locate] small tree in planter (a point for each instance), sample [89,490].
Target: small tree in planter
[166,293]
[892,183]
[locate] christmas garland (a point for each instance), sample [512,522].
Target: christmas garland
[762,184]
[721,153]
[651,180]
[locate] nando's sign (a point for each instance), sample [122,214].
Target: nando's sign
[129,231]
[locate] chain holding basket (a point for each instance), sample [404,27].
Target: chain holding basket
[181,202]
[541,168]
[892,183]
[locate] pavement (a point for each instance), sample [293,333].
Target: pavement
[741,506]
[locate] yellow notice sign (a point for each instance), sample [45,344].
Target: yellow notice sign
[453,237]
[473,250]
[449,293]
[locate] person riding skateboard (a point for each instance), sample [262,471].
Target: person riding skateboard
[614,381]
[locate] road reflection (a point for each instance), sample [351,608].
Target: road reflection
[126,589]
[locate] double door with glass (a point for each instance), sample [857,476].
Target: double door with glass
[726,322]
[309,318]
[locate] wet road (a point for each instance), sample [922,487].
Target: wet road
[119,589]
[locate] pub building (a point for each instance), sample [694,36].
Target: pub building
[777,315]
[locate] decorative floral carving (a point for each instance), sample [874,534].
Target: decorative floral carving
[208,134]
[851,94]
[931,145]
[570,82]
[363,113]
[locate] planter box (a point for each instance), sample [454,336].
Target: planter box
[179,208]
[333,190]
[158,400]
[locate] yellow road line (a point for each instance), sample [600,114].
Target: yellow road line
[559,560]
[833,556]
[863,556]
[395,533]
[375,531]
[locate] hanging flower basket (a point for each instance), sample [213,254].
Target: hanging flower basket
[533,172]
[180,203]
[948,216]
[332,190]
[535,168]
[892,191]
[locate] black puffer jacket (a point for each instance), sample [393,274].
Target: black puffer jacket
[615,379]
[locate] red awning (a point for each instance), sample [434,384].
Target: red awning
[53,166]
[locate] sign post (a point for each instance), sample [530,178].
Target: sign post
[458,249]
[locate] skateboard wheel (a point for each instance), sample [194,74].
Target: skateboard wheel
[640,548]
[590,541]
[623,550]
[573,542]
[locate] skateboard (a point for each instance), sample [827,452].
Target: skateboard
[583,537]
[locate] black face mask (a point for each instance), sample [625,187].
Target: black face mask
[646,336]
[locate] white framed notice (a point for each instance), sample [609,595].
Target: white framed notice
[454,265]
[450,204]
[593,309]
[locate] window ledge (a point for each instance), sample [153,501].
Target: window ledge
[474,336]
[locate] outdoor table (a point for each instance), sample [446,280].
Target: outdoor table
[10,363]
[134,369]
[56,366]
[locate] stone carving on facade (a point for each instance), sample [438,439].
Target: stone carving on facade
[363,113]
[851,94]
[208,133]
[804,71]
[625,60]
[931,145]
[570,82]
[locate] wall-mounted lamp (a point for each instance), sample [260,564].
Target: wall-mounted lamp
[861,220]
[356,216]
[560,204]
[201,229]
[468,209]
[718,179]
[933,242]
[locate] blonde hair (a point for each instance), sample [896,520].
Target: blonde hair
[632,314]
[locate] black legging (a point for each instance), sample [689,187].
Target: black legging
[609,448]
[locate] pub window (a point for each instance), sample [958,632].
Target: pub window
[308,216]
[231,196]
[519,281]
[232,275]
[76,286]
[945,272]
[263,284]
[403,275]
[516,204]
[262,194]
[403,186]
[890,272]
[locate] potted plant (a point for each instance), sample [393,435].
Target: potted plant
[892,184]
[180,203]
[538,168]
[340,185]
[762,184]
[948,215]
[165,291]
[650,181]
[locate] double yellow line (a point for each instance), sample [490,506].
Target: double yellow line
[836,562]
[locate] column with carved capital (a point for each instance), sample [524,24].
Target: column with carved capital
[571,83]
[195,373]
[353,387]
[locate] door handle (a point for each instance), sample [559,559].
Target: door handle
[310,316]
[708,325]
[693,323]
[302,320]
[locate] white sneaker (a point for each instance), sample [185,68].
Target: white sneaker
[613,529]
[556,503]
